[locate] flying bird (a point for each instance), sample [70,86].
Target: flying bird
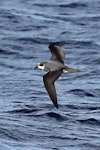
[54,68]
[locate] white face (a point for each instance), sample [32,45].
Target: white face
[41,66]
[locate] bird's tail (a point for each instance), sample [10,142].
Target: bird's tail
[70,70]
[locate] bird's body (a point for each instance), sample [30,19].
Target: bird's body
[54,68]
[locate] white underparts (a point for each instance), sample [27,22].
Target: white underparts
[65,71]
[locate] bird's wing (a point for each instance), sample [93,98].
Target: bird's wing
[49,80]
[57,53]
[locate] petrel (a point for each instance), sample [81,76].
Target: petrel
[54,68]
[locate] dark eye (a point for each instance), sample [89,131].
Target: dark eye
[41,64]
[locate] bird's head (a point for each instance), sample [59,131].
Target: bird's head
[40,66]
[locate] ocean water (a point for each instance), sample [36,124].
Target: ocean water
[28,119]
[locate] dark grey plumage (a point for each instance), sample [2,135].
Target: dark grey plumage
[54,68]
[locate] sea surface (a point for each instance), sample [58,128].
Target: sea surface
[28,119]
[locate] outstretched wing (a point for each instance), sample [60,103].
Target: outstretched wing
[57,53]
[49,80]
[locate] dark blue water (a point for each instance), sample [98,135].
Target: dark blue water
[28,119]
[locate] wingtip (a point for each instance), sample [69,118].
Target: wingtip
[60,43]
[56,106]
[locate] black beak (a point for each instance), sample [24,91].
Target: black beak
[35,67]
